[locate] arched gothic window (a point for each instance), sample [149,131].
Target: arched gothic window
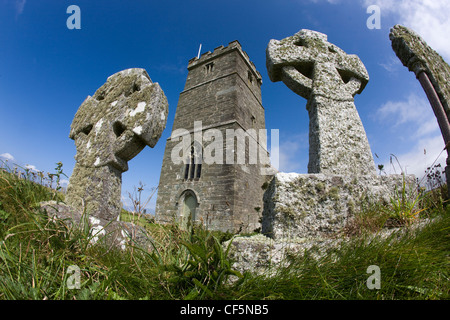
[193,166]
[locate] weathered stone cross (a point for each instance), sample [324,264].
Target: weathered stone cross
[125,114]
[328,78]
[433,74]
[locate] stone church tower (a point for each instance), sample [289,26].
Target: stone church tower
[218,108]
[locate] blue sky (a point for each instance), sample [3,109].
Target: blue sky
[47,70]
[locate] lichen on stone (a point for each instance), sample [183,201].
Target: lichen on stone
[328,78]
[300,213]
[107,135]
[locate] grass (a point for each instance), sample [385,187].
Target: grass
[37,253]
[414,267]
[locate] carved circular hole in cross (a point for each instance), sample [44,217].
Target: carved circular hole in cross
[301,43]
[118,128]
[134,88]
[332,49]
[86,130]
[305,69]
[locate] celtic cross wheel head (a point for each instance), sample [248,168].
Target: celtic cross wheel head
[309,65]
[123,116]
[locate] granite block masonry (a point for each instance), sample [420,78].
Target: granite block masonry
[110,128]
[341,170]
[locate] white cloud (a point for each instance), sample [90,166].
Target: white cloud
[392,64]
[290,159]
[426,141]
[7,156]
[329,1]
[425,152]
[428,18]
[31,167]
[414,111]
[19,6]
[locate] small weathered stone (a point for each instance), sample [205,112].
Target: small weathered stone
[329,79]
[111,233]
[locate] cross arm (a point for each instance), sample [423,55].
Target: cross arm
[353,71]
[280,54]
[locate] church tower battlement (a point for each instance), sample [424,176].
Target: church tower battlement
[208,57]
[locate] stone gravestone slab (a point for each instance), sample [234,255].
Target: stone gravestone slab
[110,128]
[342,173]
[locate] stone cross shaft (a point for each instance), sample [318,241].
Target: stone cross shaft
[328,78]
[110,128]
